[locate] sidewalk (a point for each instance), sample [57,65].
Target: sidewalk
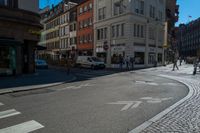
[40,79]
[182,117]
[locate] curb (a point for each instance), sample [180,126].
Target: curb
[36,87]
[166,111]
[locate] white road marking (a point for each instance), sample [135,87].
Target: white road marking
[146,98]
[25,127]
[147,83]
[128,104]
[137,104]
[1,104]
[171,84]
[8,113]
[155,100]
[76,87]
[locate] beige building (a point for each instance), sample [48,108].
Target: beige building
[130,28]
[56,33]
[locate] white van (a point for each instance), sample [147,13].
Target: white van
[90,62]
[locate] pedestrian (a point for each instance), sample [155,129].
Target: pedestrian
[121,61]
[180,61]
[127,62]
[132,61]
[175,62]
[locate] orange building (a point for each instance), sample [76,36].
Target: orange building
[85,28]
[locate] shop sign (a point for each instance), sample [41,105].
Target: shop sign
[34,32]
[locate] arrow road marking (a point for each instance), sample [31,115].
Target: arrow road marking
[128,104]
[1,104]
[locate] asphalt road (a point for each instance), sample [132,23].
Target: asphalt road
[106,103]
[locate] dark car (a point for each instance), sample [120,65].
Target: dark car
[41,64]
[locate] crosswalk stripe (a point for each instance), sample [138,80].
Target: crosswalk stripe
[25,127]
[8,113]
[1,104]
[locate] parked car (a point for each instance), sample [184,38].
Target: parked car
[41,64]
[90,62]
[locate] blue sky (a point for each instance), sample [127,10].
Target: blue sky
[187,8]
[43,3]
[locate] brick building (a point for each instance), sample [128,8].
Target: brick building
[188,39]
[85,43]
[19,34]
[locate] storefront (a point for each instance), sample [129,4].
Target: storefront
[117,51]
[8,59]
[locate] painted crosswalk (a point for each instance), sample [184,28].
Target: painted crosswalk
[8,113]
[25,127]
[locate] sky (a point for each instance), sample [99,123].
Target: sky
[44,3]
[187,8]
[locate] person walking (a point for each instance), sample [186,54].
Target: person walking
[121,61]
[175,62]
[127,62]
[132,61]
[180,61]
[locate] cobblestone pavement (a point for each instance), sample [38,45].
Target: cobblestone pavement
[184,116]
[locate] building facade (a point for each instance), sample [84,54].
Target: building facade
[172,16]
[57,31]
[188,39]
[127,28]
[85,43]
[19,34]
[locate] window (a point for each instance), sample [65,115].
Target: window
[81,10]
[122,29]
[85,8]
[139,58]
[118,30]
[102,13]
[90,6]
[119,8]
[160,15]
[135,30]
[152,11]
[113,31]
[102,33]
[139,30]
[142,31]
[139,7]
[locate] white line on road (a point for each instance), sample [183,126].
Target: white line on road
[25,127]
[128,104]
[8,113]
[1,104]
[137,104]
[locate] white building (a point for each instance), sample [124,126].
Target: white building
[133,28]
